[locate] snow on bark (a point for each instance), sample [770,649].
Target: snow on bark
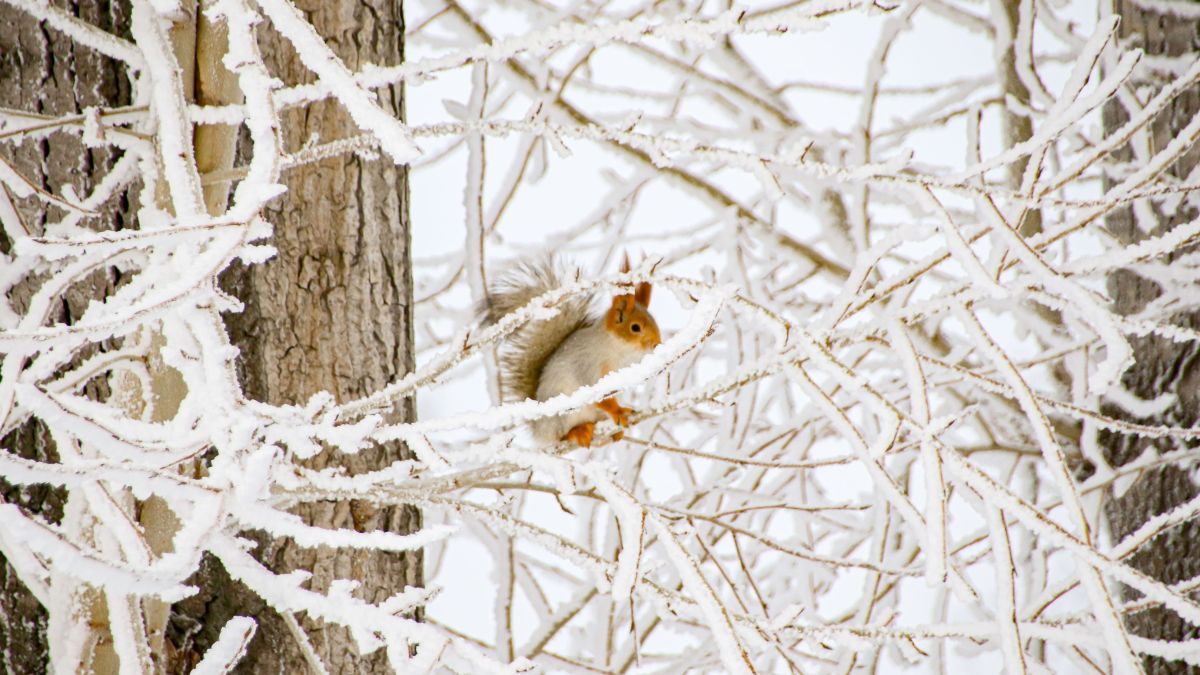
[223,655]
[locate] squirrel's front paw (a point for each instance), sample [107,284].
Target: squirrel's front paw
[621,417]
[618,413]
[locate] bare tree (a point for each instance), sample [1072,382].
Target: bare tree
[40,74]
[1163,368]
[331,312]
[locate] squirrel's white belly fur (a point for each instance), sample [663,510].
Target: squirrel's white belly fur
[574,365]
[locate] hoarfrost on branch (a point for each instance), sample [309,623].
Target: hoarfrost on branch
[869,436]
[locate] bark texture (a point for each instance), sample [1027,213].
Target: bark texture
[44,72]
[1162,366]
[1017,128]
[331,312]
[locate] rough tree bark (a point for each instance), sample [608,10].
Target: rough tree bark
[331,312]
[1162,366]
[43,72]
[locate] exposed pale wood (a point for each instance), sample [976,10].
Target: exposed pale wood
[199,46]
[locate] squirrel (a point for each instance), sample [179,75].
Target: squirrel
[572,349]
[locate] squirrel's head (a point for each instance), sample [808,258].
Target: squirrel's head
[629,318]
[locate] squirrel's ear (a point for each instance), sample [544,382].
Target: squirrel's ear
[641,294]
[622,304]
[625,263]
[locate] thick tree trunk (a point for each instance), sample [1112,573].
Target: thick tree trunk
[331,312]
[43,72]
[1162,366]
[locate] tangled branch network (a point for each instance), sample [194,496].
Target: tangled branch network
[872,436]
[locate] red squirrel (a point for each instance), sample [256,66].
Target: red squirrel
[573,349]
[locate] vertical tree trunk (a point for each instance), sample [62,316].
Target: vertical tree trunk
[331,312]
[43,72]
[1162,366]
[1017,128]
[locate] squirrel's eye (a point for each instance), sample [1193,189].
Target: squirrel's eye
[637,328]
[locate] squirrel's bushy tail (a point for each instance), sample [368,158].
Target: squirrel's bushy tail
[521,359]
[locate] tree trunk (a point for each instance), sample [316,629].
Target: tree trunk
[44,72]
[1162,366]
[331,312]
